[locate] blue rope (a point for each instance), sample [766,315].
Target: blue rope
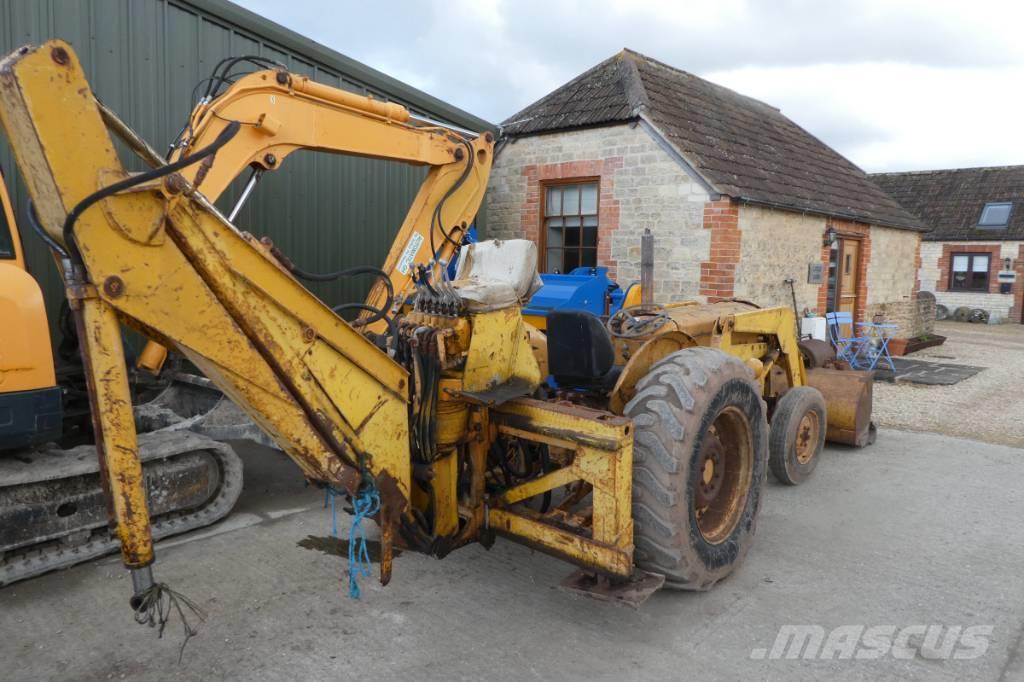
[365,504]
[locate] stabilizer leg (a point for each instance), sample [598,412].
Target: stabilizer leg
[116,442]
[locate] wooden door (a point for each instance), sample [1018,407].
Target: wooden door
[848,277]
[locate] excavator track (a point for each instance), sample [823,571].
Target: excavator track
[53,511]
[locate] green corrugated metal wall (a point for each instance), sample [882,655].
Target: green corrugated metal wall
[143,58]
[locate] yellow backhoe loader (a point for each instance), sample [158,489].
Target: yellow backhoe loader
[430,412]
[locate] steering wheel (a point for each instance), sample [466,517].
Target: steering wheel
[636,321]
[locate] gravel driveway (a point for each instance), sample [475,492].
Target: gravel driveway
[987,407]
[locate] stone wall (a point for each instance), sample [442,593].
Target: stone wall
[647,187]
[928,273]
[892,272]
[912,317]
[934,277]
[924,321]
[893,283]
[776,245]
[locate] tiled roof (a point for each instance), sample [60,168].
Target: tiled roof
[741,147]
[950,201]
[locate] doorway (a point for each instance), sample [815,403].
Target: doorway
[844,277]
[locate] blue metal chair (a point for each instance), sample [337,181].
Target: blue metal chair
[848,348]
[876,349]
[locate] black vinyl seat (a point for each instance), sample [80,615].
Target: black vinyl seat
[580,352]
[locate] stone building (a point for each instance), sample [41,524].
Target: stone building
[739,197]
[974,255]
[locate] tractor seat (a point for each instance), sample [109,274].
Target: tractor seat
[497,274]
[580,351]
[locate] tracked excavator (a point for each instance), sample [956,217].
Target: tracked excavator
[429,411]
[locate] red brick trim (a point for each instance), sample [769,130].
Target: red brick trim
[946,262]
[826,256]
[1017,314]
[718,274]
[607,205]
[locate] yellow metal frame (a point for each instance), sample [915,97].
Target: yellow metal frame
[754,335]
[601,447]
[114,423]
[764,338]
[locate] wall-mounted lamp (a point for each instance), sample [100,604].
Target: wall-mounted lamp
[830,237]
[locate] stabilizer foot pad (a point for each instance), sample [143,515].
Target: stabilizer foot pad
[632,591]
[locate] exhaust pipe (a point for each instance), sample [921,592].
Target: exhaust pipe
[647,270]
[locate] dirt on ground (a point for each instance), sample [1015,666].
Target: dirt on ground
[987,407]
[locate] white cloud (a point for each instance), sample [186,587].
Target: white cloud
[889,83]
[888,116]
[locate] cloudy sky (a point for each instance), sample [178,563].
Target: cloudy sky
[891,84]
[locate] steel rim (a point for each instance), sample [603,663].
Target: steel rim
[723,475]
[807,435]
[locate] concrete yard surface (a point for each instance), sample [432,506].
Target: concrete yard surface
[916,530]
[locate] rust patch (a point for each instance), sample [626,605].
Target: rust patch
[175,184]
[392,500]
[60,55]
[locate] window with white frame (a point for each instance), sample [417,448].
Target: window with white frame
[969,272]
[570,226]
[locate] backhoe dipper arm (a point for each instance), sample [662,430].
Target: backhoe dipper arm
[156,258]
[283,112]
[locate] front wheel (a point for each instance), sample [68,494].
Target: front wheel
[797,434]
[699,463]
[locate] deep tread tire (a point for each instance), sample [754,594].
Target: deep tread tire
[675,405]
[785,427]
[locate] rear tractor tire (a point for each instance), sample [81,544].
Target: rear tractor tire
[797,434]
[699,464]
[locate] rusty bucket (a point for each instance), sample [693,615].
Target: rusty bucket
[847,396]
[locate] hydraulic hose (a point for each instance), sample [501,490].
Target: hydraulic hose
[351,272]
[69,223]
[378,314]
[33,221]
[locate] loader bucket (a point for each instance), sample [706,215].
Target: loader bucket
[847,396]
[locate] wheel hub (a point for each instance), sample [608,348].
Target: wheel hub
[722,475]
[807,435]
[712,471]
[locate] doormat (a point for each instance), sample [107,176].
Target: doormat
[925,373]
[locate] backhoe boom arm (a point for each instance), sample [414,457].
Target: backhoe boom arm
[282,112]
